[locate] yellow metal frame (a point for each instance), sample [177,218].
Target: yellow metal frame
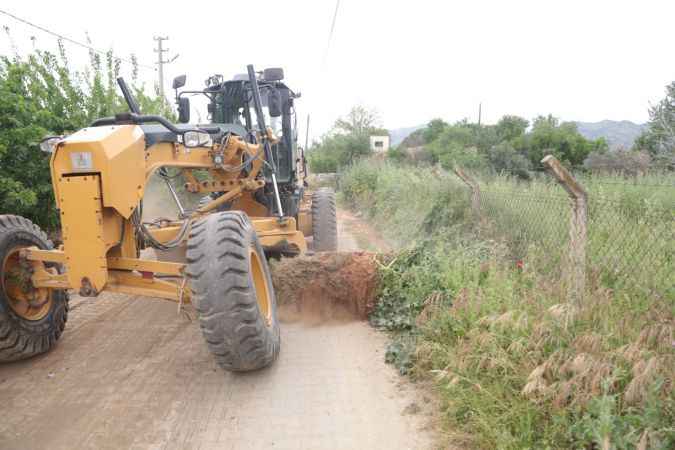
[99,176]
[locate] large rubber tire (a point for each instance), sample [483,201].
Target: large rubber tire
[225,259]
[324,221]
[20,337]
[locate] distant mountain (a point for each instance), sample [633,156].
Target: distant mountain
[619,134]
[397,135]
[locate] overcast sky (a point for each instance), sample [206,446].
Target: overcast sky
[411,60]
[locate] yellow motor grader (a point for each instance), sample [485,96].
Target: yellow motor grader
[255,204]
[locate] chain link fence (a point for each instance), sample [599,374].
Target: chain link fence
[631,247]
[587,238]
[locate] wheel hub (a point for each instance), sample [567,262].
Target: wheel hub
[262,290]
[26,301]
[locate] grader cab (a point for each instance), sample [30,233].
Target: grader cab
[255,204]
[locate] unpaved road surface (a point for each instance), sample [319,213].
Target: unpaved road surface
[131,373]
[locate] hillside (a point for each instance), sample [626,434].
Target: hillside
[397,135]
[619,134]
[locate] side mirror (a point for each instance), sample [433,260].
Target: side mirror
[274,103]
[179,81]
[183,109]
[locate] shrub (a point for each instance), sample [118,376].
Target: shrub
[619,162]
[504,158]
[322,161]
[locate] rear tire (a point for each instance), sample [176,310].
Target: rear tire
[232,291]
[22,337]
[324,221]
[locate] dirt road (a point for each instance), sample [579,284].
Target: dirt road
[130,373]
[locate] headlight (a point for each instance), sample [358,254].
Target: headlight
[197,139]
[48,144]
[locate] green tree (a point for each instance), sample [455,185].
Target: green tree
[659,138]
[348,140]
[41,96]
[359,121]
[563,140]
[461,144]
[456,145]
[507,146]
[433,129]
[511,127]
[338,150]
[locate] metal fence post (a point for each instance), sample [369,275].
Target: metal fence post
[475,191]
[577,230]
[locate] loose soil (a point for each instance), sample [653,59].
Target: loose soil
[326,286]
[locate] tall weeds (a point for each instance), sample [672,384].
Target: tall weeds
[483,314]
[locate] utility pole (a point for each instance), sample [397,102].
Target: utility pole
[480,111]
[307,133]
[160,62]
[160,50]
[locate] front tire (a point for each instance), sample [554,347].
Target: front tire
[31,319]
[232,291]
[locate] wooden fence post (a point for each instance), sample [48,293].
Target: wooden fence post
[475,191]
[577,230]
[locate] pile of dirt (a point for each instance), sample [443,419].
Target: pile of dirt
[326,286]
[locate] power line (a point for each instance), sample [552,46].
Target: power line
[322,66]
[330,34]
[72,41]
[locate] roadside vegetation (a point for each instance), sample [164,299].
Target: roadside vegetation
[486,319]
[346,142]
[516,145]
[41,95]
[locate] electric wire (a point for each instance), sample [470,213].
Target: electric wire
[330,34]
[73,41]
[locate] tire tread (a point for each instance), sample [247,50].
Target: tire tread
[324,221]
[20,338]
[229,316]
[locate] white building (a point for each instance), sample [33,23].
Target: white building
[379,144]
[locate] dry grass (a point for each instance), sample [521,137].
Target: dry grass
[521,345]
[516,365]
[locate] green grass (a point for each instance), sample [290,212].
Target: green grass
[406,203]
[480,309]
